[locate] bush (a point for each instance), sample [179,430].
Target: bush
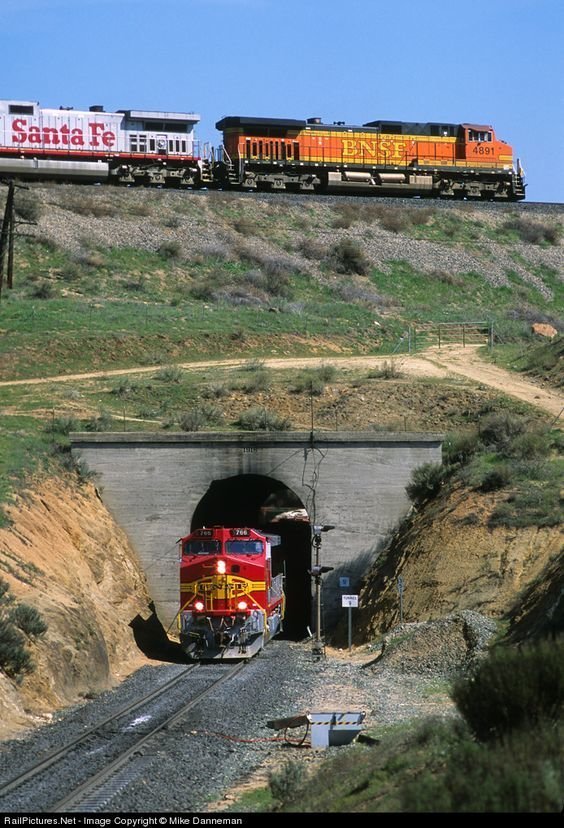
[285,784]
[347,256]
[28,620]
[260,419]
[426,482]
[196,419]
[533,232]
[170,373]
[62,425]
[215,390]
[170,250]
[256,382]
[499,429]
[27,207]
[124,387]
[521,774]
[103,422]
[513,689]
[14,657]
[314,380]
[388,370]
[43,290]
[460,447]
[495,478]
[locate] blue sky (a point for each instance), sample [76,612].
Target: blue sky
[499,62]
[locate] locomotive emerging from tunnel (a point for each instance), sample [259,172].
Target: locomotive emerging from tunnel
[230,603]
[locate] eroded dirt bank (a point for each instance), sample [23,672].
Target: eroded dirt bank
[65,556]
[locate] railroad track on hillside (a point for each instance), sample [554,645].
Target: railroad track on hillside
[95,765]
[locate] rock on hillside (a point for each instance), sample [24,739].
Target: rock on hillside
[65,556]
[450,560]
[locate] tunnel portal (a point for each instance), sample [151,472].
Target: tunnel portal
[262,503]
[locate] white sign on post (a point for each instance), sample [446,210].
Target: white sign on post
[349,600]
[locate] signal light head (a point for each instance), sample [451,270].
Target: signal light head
[198,606]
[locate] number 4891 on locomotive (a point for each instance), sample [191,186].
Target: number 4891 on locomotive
[230,603]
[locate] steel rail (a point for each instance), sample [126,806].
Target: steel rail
[83,790]
[58,753]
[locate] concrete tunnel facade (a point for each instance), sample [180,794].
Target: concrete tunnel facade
[159,486]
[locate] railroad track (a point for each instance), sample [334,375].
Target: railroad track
[118,746]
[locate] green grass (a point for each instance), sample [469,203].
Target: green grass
[24,448]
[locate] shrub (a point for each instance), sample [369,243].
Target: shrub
[285,784]
[170,373]
[530,445]
[62,425]
[426,482]
[533,232]
[521,774]
[28,620]
[256,382]
[14,657]
[495,478]
[494,703]
[395,220]
[170,250]
[245,226]
[347,256]
[199,417]
[124,387]
[314,380]
[388,370]
[499,429]
[260,419]
[103,422]
[27,207]
[460,447]
[43,290]
[214,391]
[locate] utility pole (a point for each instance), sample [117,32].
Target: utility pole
[7,235]
[6,238]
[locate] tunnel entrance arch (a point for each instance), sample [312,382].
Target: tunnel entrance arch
[266,504]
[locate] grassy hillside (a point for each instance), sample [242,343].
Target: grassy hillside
[107,279]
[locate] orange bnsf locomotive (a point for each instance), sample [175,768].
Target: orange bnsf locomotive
[380,158]
[230,603]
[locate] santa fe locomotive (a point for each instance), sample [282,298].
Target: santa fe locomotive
[230,603]
[441,160]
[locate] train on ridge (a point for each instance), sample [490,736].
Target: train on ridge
[391,158]
[231,604]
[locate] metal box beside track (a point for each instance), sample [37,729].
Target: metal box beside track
[334,729]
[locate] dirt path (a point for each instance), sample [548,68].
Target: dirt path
[435,362]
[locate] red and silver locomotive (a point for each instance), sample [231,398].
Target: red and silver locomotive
[127,147]
[230,603]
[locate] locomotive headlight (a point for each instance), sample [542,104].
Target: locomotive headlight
[198,606]
[242,605]
[221,567]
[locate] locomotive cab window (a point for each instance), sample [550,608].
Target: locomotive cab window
[201,547]
[479,135]
[241,547]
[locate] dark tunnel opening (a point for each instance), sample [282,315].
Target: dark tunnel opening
[262,503]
